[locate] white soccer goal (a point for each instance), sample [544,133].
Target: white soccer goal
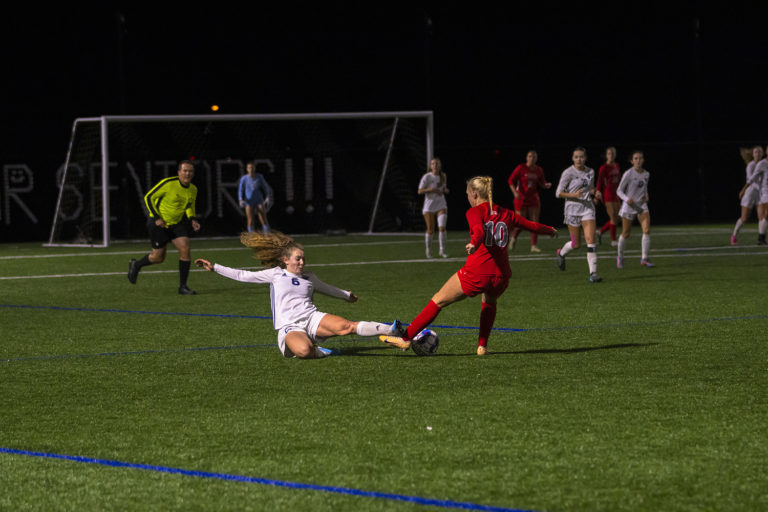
[330,171]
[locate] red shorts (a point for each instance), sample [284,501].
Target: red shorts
[527,202]
[475,284]
[611,197]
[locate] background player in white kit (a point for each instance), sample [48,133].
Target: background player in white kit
[577,187]
[434,186]
[760,179]
[299,325]
[750,193]
[633,191]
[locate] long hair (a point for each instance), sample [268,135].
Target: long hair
[483,187]
[270,248]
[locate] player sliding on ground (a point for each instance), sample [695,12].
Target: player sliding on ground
[487,269]
[300,326]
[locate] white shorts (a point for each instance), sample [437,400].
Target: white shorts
[763,197]
[751,197]
[630,211]
[434,205]
[576,220]
[308,326]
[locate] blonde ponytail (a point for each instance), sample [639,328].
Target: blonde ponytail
[483,187]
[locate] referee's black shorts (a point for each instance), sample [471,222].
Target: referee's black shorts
[161,236]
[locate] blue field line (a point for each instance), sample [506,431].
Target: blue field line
[134,352]
[134,311]
[418,500]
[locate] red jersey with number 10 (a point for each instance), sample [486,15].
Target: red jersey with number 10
[489,233]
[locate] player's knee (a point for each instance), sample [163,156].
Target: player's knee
[305,351]
[347,327]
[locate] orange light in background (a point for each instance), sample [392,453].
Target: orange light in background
[215,108]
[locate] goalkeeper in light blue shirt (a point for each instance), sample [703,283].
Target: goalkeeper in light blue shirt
[255,195]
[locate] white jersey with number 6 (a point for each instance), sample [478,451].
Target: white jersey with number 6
[291,294]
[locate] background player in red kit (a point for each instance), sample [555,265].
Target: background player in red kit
[487,269]
[608,178]
[525,182]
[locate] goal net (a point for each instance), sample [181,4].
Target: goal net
[329,172]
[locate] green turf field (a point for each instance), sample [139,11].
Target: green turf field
[644,392]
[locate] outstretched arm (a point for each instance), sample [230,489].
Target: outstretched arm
[245,276]
[330,290]
[535,227]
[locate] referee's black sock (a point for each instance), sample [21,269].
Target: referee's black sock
[183,272]
[143,262]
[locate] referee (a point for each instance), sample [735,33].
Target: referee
[167,204]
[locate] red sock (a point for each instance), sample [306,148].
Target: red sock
[423,319]
[487,317]
[613,231]
[605,227]
[534,238]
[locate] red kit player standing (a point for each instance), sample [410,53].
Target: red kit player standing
[608,178]
[525,182]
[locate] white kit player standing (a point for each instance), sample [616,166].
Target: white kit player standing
[577,187]
[761,178]
[435,210]
[750,193]
[633,191]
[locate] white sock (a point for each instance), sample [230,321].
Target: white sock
[620,247]
[738,227]
[373,328]
[592,258]
[442,236]
[568,247]
[762,225]
[645,246]
[428,242]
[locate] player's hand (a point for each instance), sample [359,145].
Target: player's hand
[352,297]
[741,194]
[195,225]
[207,265]
[553,234]
[160,223]
[470,248]
[242,204]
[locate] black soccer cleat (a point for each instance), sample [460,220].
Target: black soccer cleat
[184,290]
[133,271]
[398,329]
[560,261]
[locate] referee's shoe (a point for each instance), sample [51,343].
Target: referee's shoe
[133,271]
[184,290]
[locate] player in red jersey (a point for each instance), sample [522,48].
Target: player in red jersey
[525,182]
[486,270]
[608,178]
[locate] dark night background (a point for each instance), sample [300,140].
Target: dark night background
[684,81]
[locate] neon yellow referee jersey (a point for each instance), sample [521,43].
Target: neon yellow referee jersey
[170,200]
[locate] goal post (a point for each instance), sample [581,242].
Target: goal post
[326,170]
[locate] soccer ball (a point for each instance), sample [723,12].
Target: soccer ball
[425,343]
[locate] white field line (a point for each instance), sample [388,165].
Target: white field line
[676,253]
[657,233]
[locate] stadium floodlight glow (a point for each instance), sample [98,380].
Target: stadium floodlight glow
[329,168]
